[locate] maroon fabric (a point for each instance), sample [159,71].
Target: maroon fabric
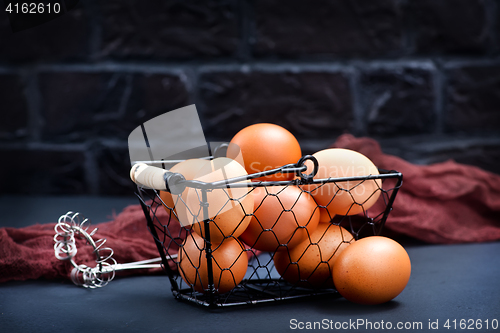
[441,203]
[28,253]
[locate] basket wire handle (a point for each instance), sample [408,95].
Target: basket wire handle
[307,178]
[71,224]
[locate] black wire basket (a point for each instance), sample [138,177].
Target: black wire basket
[262,282]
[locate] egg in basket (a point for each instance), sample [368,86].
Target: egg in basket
[252,220]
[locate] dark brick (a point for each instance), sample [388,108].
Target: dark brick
[398,101]
[42,171]
[473,99]
[339,28]
[79,106]
[64,38]
[309,104]
[72,100]
[169,29]
[114,169]
[486,157]
[451,26]
[14,114]
[159,93]
[480,151]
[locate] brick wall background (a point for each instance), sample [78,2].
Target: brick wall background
[421,76]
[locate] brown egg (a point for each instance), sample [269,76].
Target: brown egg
[310,263]
[348,197]
[372,270]
[189,169]
[229,209]
[229,264]
[265,147]
[325,215]
[282,215]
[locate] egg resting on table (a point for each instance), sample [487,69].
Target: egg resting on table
[372,270]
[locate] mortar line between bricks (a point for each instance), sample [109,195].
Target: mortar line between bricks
[35,119]
[91,171]
[439,94]
[194,90]
[408,35]
[48,146]
[245,14]
[267,65]
[462,62]
[95,30]
[492,16]
[358,112]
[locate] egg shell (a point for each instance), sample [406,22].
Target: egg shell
[229,264]
[188,169]
[282,215]
[325,215]
[265,147]
[373,270]
[310,263]
[348,197]
[229,209]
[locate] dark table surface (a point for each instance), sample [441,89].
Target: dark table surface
[454,284]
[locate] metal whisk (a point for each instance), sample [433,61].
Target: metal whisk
[71,224]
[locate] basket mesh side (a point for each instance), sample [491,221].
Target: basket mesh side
[262,282]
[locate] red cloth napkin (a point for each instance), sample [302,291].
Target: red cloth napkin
[28,253]
[441,203]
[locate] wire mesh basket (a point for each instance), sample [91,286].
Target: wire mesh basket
[204,274]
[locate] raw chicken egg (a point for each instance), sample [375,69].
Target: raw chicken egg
[229,264]
[373,270]
[229,208]
[325,215]
[265,147]
[347,197]
[310,263]
[282,215]
[189,169]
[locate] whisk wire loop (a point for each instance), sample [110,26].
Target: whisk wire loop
[73,225]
